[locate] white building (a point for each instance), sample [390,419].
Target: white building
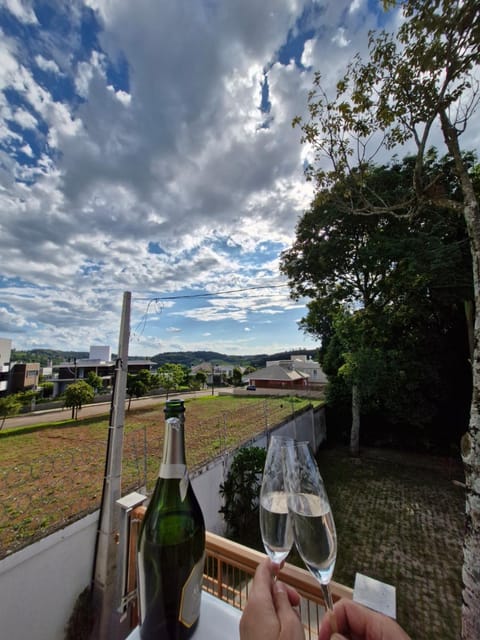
[303,364]
[5,353]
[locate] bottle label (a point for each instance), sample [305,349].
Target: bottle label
[191,595]
[178,472]
[171,471]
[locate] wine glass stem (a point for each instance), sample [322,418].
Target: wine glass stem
[327,596]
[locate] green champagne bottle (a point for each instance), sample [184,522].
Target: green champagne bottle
[171,544]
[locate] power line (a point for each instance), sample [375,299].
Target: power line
[213,294]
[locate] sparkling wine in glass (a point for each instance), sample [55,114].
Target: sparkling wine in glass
[275,522]
[312,520]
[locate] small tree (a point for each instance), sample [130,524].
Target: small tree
[136,387]
[76,395]
[237,377]
[170,376]
[201,379]
[9,406]
[95,381]
[240,491]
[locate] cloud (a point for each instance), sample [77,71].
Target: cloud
[22,10]
[137,153]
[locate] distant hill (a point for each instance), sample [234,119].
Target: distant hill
[191,358]
[187,358]
[45,356]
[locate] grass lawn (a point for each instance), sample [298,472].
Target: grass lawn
[52,474]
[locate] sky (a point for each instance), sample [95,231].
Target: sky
[147,146]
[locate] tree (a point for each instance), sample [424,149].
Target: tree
[95,381]
[240,492]
[421,78]
[138,384]
[237,377]
[170,376]
[373,280]
[9,406]
[201,379]
[136,387]
[76,395]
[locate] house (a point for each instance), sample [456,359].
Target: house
[98,362]
[24,376]
[277,377]
[303,364]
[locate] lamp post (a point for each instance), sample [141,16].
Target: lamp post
[213,379]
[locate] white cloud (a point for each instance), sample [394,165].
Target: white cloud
[22,10]
[47,65]
[154,136]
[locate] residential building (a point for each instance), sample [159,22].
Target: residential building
[66,373]
[277,377]
[303,364]
[5,353]
[24,376]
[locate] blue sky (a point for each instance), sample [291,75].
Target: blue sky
[147,146]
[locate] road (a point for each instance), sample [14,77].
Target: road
[89,410]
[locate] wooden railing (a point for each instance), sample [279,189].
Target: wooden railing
[229,568]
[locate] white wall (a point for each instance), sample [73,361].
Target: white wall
[39,585]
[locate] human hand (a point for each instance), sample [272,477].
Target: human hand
[355,622]
[269,613]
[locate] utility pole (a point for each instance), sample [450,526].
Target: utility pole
[106,573]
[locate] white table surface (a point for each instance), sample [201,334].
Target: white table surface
[218,621]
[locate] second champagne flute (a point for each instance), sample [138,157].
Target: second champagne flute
[275,523]
[313,525]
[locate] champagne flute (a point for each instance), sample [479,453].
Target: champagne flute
[312,520]
[275,522]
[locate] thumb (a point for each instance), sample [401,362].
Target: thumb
[338,636]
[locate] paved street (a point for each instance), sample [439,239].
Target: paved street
[101,408]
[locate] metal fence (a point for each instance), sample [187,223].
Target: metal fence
[45,492]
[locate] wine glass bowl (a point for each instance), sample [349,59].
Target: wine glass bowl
[312,520]
[275,521]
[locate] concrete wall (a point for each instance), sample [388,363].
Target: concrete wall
[40,584]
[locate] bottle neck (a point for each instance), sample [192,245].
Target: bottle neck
[173,461]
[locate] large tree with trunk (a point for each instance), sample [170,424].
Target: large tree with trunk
[385,294]
[420,80]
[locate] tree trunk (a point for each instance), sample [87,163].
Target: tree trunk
[471,439]
[355,431]
[471,454]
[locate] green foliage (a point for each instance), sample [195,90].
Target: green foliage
[47,389]
[170,376]
[77,394]
[240,492]
[201,378]
[9,406]
[80,623]
[26,397]
[387,294]
[237,377]
[95,381]
[138,384]
[45,356]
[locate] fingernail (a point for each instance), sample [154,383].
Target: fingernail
[337,636]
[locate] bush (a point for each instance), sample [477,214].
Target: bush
[241,491]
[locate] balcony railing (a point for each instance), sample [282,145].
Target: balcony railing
[229,568]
